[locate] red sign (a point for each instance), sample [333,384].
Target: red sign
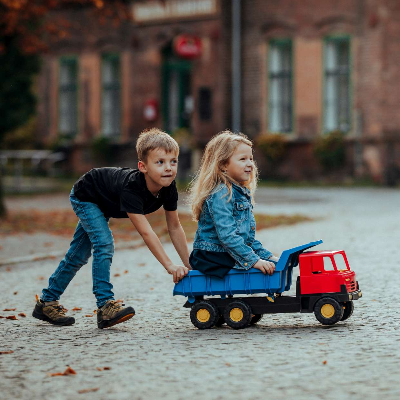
[187,46]
[150,110]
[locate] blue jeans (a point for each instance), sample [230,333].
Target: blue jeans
[92,232]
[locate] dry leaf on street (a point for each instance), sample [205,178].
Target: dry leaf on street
[68,371]
[77,309]
[7,352]
[9,309]
[117,275]
[88,315]
[88,390]
[12,317]
[22,314]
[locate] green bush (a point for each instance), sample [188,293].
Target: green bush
[102,149]
[272,146]
[23,137]
[330,150]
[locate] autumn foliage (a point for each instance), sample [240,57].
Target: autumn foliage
[28,20]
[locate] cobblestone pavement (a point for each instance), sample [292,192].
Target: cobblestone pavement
[159,354]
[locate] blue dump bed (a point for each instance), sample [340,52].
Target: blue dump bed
[243,281]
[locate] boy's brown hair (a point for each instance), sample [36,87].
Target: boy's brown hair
[155,138]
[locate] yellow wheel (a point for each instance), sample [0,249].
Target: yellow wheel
[328,311]
[237,314]
[204,314]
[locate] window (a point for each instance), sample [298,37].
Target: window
[337,85]
[111,95]
[280,104]
[328,265]
[68,90]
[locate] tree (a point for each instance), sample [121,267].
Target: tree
[25,33]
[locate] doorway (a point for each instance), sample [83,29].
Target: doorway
[177,99]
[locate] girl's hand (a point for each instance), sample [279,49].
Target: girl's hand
[266,267]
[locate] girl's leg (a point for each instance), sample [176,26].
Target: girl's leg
[96,227]
[77,256]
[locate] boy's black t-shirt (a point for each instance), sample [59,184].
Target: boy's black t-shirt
[118,191]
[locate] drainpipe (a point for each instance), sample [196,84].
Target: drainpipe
[236,70]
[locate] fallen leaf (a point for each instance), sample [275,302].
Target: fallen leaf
[41,278]
[126,271]
[36,297]
[1,316]
[8,269]
[68,371]
[52,257]
[89,315]
[77,309]
[9,309]
[88,390]
[228,364]
[151,288]
[12,317]
[99,369]
[22,314]
[142,264]
[15,293]
[7,352]
[117,275]
[107,368]
[94,311]
[324,362]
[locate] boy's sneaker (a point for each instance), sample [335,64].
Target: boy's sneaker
[113,313]
[52,312]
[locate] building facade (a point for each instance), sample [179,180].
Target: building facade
[307,68]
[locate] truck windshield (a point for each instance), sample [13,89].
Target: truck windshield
[340,262]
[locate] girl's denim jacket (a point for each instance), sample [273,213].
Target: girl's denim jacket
[229,226]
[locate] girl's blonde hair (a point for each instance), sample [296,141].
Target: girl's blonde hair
[216,155]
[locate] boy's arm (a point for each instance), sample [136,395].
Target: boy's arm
[153,243]
[177,235]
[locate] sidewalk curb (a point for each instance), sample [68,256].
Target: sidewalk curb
[45,256]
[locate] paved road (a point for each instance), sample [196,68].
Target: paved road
[159,354]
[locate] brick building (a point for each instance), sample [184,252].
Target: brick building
[308,68]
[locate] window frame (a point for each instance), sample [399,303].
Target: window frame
[337,38]
[68,59]
[282,42]
[110,56]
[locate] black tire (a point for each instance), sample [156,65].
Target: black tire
[237,314]
[328,311]
[348,309]
[220,321]
[255,318]
[204,314]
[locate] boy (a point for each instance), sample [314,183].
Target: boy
[105,193]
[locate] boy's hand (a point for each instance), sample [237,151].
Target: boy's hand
[273,258]
[266,267]
[177,272]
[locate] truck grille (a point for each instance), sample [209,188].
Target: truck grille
[351,286]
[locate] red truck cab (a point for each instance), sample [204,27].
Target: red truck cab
[325,272]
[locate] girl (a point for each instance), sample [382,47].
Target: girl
[221,197]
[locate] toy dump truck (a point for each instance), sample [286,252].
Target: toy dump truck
[326,286]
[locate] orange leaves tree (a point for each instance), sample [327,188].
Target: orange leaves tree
[26,31]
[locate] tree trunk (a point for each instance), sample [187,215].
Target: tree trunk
[3,210]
